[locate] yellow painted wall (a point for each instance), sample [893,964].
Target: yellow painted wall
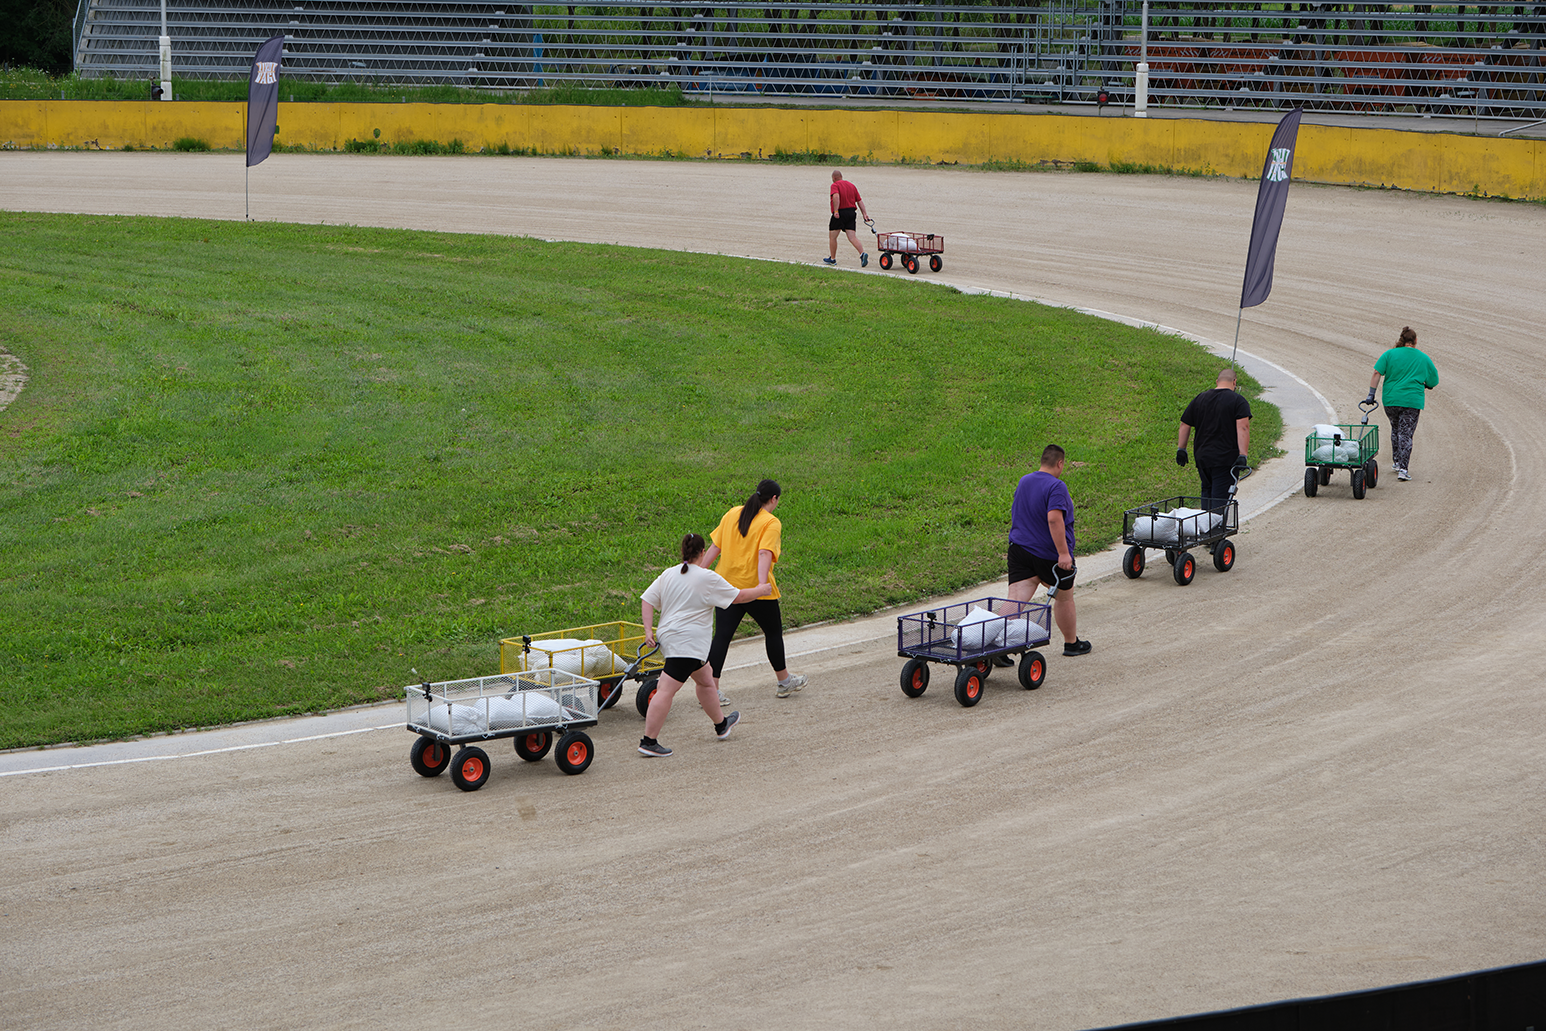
[1437,162]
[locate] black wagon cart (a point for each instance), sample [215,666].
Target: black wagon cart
[1176,526]
[1333,446]
[532,707]
[970,636]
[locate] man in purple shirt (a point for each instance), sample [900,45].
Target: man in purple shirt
[1041,543]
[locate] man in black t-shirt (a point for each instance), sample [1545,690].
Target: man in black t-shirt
[1222,419]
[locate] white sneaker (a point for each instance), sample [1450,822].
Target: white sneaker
[724,700]
[1402,474]
[792,684]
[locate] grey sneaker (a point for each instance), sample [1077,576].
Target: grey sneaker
[722,728]
[1402,474]
[649,746]
[791,684]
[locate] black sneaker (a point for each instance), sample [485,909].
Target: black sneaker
[649,746]
[1003,661]
[1077,648]
[722,728]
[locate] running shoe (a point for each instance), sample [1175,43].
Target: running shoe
[1402,474]
[722,728]
[791,684]
[651,747]
[864,259]
[1077,647]
[829,261]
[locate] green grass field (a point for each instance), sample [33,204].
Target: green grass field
[263,469]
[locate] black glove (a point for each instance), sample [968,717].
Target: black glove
[1180,456]
[1370,399]
[1242,463]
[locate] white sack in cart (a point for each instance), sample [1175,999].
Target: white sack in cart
[587,658]
[1327,432]
[522,708]
[975,632]
[1026,631]
[1167,528]
[1347,451]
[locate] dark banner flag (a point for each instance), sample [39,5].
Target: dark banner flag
[1276,174]
[263,100]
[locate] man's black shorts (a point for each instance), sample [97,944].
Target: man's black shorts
[1025,566]
[846,218]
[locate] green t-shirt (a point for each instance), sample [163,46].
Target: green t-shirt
[1409,374]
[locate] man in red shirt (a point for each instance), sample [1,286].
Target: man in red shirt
[845,198]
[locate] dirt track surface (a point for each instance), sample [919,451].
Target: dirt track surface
[1317,773]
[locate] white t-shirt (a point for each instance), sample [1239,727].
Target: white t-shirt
[685,604]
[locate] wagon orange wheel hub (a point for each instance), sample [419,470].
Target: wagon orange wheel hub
[472,768]
[917,678]
[433,755]
[576,753]
[533,742]
[973,687]
[1036,671]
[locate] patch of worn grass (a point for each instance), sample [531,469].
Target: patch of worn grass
[264,469]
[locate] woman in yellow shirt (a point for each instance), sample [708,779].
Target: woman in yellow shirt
[746,544]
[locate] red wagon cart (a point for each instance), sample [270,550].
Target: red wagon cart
[910,249]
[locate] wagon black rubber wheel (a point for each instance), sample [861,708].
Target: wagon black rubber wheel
[575,752]
[1185,568]
[429,757]
[1224,555]
[935,264]
[1371,474]
[915,677]
[911,264]
[885,260]
[1325,475]
[469,770]
[1312,481]
[1033,670]
[968,686]
[1358,488]
[1132,563]
[533,746]
[983,666]
[641,701]
[1170,556]
[608,692]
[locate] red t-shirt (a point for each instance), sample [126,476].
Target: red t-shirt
[847,194]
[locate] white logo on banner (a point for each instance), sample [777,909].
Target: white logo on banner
[267,73]
[1278,170]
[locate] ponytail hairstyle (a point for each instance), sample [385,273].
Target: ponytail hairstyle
[766,491]
[692,547]
[1408,337]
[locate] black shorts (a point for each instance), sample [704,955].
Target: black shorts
[683,669]
[1025,566]
[846,218]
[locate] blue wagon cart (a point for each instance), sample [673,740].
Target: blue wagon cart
[1343,446]
[970,636]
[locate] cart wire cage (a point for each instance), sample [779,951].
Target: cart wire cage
[483,707]
[1179,522]
[610,648]
[1351,446]
[940,635]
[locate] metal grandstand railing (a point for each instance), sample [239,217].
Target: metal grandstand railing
[1475,60]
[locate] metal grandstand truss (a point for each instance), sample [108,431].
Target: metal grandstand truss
[1476,61]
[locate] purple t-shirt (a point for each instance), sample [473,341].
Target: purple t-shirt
[1037,494]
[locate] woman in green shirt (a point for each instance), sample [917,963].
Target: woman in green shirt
[1409,374]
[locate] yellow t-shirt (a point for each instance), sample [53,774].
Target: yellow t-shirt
[738,555]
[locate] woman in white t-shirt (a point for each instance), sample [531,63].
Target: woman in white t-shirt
[686,598]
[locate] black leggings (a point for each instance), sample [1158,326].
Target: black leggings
[766,612]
